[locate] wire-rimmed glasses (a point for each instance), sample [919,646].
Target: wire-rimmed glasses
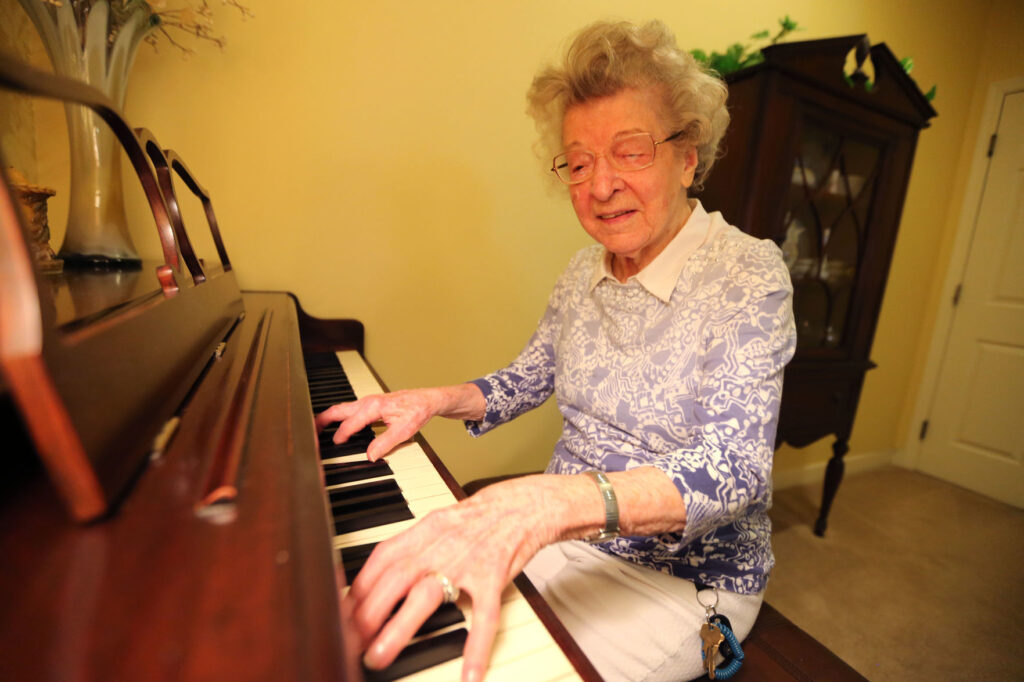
[630,153]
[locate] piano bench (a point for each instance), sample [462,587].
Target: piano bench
[776,650]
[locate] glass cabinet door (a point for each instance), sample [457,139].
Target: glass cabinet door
[830,195]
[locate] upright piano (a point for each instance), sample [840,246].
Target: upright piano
[167,509]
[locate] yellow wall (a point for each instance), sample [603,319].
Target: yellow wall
[375,159]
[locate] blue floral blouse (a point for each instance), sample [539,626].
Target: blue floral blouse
[686,379]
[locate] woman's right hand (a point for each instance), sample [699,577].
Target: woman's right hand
[403,413]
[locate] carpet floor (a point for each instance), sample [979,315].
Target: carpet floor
[915,579]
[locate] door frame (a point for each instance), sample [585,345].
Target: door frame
[910,455]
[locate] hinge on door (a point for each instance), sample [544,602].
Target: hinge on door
[924,430]
[956,294]
[992,145]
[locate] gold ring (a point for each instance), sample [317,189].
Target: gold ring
[450,591]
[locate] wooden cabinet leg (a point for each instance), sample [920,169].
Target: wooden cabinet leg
[833,477]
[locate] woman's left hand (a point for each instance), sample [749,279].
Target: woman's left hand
[479,544]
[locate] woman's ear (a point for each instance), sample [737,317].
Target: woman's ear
[690,169]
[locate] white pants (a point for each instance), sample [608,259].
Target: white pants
[633,623]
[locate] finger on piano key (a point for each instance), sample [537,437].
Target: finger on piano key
[523,650]
[422,656]
[523,643]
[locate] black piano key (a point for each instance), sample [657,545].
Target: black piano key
[363,437]
[323,395]
[343,450]
[321,360]
[358,438]
[328,385]
[353,558]
[381,515]
[325,383]
[328,433]
[445,616]
[352,446]
[366,505]
[336,371]
[334,379]
[321,405]
[354,494]
[331,397]
[336,474]
[421,655]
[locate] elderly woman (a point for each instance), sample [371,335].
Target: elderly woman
[664,344]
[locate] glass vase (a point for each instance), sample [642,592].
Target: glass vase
[87,41]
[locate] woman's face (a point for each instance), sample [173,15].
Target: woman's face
[634,214]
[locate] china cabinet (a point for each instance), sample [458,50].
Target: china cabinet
[817,158]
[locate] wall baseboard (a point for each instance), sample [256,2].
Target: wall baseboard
[814,473]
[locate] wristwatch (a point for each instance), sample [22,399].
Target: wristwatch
[611,508]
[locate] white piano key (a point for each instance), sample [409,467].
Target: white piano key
[525,653]
[359,375]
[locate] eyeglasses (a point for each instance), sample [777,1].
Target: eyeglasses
[630,153]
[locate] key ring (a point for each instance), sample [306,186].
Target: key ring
[709,609]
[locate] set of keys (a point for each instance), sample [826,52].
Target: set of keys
[716,636]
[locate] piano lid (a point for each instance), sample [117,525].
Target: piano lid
[98,362]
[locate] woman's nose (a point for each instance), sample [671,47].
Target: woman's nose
[605,180]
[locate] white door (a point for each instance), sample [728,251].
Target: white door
[975,432]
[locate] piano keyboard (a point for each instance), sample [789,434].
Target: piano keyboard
[372,502]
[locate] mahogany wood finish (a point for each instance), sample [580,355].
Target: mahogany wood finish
[157,592]
[222,481]
[796,99]
[164,161]
[158,158]
[319,334]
